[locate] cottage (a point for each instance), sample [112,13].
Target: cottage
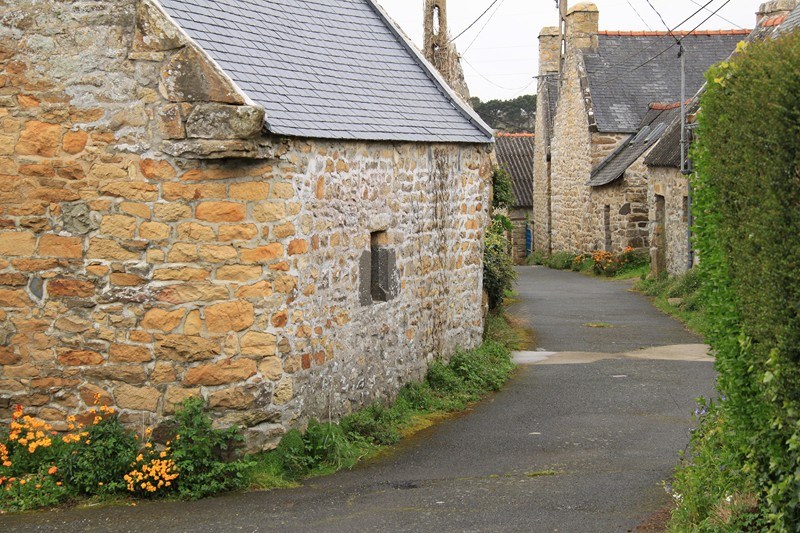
[669,196]
[514,152]
[276,205]
[597,123]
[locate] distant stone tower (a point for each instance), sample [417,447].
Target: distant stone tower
[439,50]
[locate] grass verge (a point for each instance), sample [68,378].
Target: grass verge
[449,387]
[678,296]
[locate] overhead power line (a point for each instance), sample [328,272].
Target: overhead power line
[669,31]
[695,2]
[488,20]
[474,21]
[664,51]
[639,15]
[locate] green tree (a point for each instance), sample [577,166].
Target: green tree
[517,115]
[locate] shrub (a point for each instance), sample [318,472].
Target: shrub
[498,268]
[378,423]
[747,192]
[503,197]
[99,461]
[560,260]
[203,456]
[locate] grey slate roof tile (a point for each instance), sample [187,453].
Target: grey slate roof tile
[667,153]
[328,69]
[515,155]
[653,126]
[621,92]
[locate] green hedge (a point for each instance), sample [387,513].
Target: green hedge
[747,209]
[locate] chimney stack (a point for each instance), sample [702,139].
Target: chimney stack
[774,8]
[549,53]
[582,27]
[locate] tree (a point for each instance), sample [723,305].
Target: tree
[517,115]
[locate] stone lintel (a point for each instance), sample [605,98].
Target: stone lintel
[219,149]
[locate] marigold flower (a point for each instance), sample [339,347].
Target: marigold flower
[52,470]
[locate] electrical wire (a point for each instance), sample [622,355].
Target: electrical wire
[488,20]
[695,2]
[639,15]
[667,49]
[476,71]
[669,31]
[474,21]
[651,45]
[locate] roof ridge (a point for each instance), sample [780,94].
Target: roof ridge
[664,106]
[523,134]
[650,33]
[773,21]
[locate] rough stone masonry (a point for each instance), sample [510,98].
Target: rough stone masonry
[155,245]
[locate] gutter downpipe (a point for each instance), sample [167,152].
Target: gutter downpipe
[684,167]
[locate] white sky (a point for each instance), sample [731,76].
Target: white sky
[501,60]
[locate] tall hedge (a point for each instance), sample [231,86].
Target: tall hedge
[747,211]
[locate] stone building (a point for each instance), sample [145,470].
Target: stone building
[594,113]
[438,48]
[669,197]
[272,208]
[514,152]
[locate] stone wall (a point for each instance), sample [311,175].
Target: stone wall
[571,163]
[156,246]
[572,216]
[519,247]
[669,230]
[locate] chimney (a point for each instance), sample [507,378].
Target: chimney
[582,27]
[435,26]
[549,54]
[775,8]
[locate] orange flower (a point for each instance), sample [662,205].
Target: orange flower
[52,470]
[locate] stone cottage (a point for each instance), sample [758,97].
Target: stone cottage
[278,207]
[514,152]
[594,114]
[669,197]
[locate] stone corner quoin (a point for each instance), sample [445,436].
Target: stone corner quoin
[156,245]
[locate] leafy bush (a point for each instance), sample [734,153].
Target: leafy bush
[747,192]
[99,462]
[501,185]
[498,268]
[560,261]
[203,456]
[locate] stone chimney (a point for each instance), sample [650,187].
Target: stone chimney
[435,26]
[775,8]
[582,27]
[549,53]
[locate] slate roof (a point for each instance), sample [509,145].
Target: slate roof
[667,153]
[333,69]
[515,155]
[621,92]
[653,126]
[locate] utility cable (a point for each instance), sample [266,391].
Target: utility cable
[493,83]
[695,2]
[669,31]
[474,21]
[488,20]
[639,15]
[667,49]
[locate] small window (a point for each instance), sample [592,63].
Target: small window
[379,279]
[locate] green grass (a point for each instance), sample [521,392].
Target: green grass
[686,287]
[449,387]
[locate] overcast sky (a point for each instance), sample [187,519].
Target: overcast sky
[500,55]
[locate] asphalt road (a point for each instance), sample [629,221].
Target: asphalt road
[580,441]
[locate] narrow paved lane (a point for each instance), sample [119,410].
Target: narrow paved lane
[578,442]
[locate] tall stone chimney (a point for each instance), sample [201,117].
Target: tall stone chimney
[439,50]
[582,27]
[549,53]
[775,8]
